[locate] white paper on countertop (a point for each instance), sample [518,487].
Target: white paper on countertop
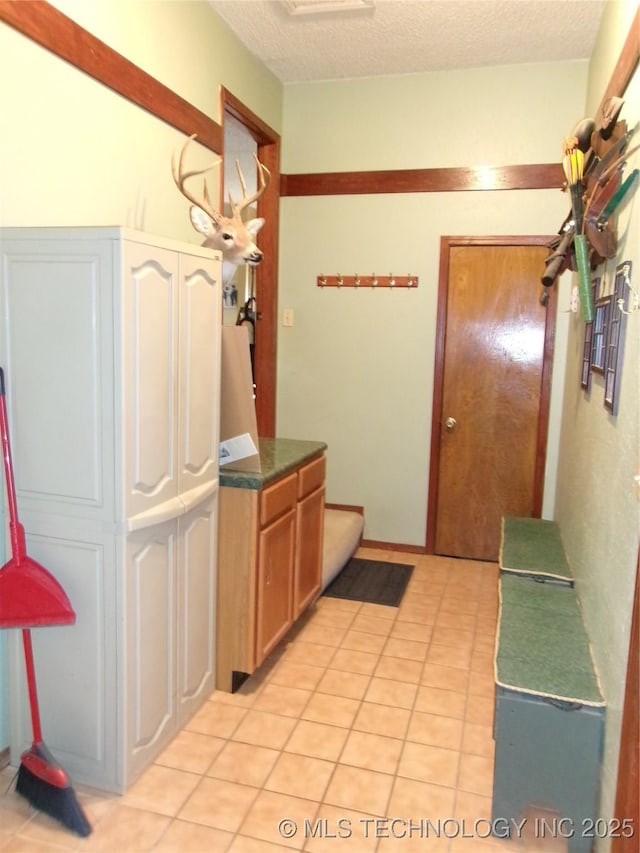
[238,447]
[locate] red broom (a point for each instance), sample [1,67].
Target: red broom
[30,595]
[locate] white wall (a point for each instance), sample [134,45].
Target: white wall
[597,499]
[356,369]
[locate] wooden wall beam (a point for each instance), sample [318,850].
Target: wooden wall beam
[526,177]
[51,29]
[626,64]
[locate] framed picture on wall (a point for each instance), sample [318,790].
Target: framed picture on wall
[599,332]
[616,328]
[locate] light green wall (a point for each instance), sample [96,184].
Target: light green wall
[597,498]
[356,369]
[74,153]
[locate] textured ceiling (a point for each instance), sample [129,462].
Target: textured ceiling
[407,36]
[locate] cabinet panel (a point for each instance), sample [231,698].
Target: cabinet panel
[197,606]
[150,368]
[151,620]
[275,583]
[58,300]
[278,498]
[311,476]
[200,307]
[309,537]
[78,722]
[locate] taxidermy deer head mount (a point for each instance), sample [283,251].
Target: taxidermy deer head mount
[229,234]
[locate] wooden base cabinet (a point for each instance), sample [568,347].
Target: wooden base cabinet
[269,566]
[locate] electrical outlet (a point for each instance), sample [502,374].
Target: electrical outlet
[287,317]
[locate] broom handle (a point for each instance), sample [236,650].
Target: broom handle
[18,547]
[31,684]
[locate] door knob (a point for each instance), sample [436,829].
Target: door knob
[450,423]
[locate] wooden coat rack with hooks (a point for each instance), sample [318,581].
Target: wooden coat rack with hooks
[372,280]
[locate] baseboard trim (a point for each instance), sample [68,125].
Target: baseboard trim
[393,546]
[346,508]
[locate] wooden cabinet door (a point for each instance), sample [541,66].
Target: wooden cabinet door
[275,583]
[308,573]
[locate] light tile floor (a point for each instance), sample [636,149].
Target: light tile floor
[365,724]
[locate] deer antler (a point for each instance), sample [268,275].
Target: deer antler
[180,177]
[264,176]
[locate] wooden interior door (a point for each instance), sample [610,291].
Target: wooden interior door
[491,403]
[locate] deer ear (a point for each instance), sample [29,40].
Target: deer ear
[254,225]
[201,221]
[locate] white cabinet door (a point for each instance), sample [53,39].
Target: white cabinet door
[149,698]
[200,307]
[149,381]
[76,665]
[55,346]
[197,549]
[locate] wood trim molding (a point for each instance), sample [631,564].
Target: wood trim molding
[627,806]
[359,510]
[51,29]
[392,546]
[626,64]
[459,179]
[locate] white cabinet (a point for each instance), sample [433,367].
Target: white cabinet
[110,341]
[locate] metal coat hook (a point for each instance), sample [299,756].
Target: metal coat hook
[633,296]
[364,281]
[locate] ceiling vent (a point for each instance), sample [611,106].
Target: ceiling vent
[327,7]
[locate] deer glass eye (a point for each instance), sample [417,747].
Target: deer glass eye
[227,236]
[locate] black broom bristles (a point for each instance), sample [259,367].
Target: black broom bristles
[59,802]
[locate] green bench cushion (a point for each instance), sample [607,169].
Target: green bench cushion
[542,647]
[532,546]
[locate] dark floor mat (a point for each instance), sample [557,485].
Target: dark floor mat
[373,581]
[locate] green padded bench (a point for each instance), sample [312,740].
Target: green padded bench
[549,709]
[532,547]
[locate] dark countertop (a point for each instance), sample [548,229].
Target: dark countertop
[277,457]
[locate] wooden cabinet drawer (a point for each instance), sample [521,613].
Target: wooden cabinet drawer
[278,498]
[311,476]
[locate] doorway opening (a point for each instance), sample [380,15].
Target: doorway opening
[244,134]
